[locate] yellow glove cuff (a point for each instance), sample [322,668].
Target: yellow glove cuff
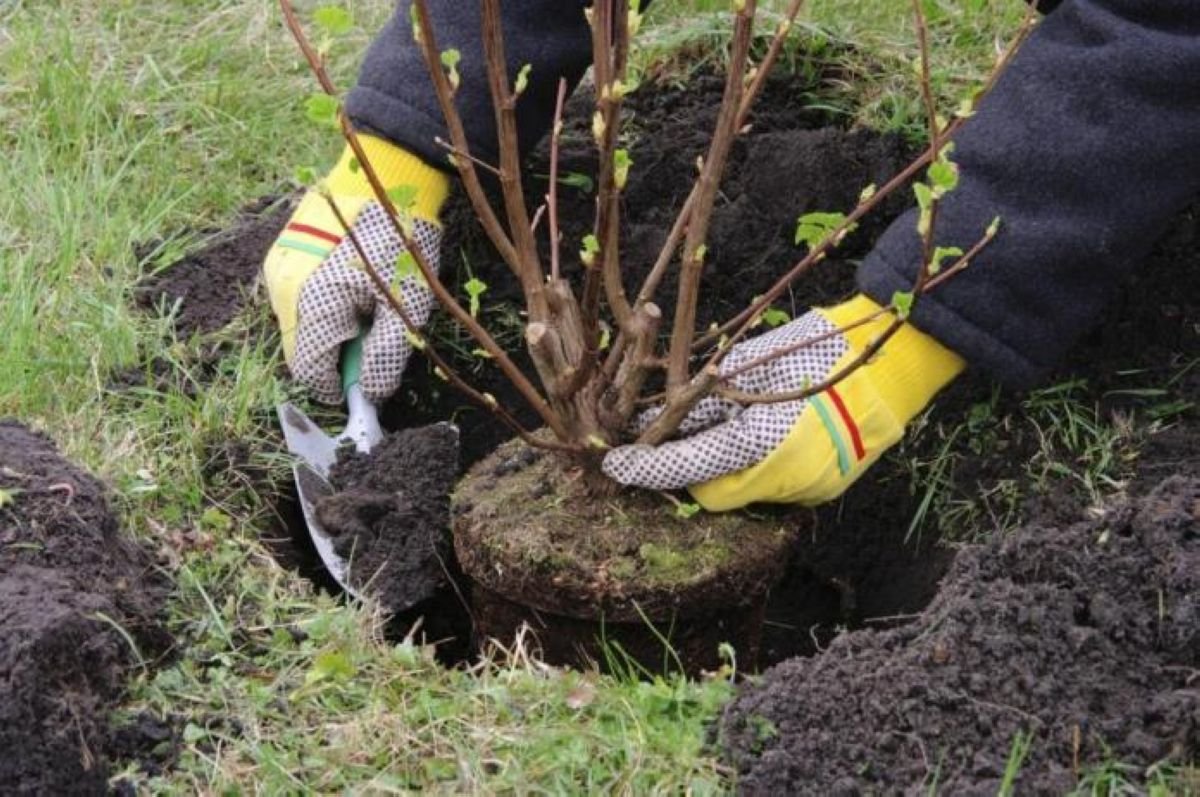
[395,168]
[909,369]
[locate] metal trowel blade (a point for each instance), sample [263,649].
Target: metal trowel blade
[311,487]
[306,440]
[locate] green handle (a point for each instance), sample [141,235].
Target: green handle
[352,354]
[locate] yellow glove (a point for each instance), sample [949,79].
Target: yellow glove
[807,451]
[319,293]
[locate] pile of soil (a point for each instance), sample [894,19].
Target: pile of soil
[1085,636]
[390,514]
[540,548]
[208,288]
[71,588]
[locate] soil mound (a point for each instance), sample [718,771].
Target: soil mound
[68,579]
[390,515]
[210,285]
[1086,637]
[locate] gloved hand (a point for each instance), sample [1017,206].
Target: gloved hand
[807,451]
[321,294]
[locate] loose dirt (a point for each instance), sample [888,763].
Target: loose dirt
[390,515]
[207,289]
[1087,637]
[72,586]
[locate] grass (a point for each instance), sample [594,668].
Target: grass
[133,121]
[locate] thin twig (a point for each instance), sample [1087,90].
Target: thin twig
[458,136]
[504,105]
[684,323]
[658,271]
[552,193]
[458,153]
[935,144]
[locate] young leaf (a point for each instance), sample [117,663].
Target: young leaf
[578,180]
[940,254]
[403,197]
[686,511]
[334,20]
[993,228]
[598,126]
[322,109]
[635,17]
[813,228]
[943,177]
[450,59]
[415,17]
[591,247]
[522,80]
[306,175]
[475,288]
[414,340]
[902,301]
[924,195]
[406,268]
[354,165]
[621,164]
[774,317]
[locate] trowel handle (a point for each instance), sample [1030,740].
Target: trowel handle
[352,354]
[362,425]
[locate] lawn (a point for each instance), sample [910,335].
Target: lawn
[129,128]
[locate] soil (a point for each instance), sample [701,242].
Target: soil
[207,289]
[390,514]
[69,580]
[1086,636]
[540,548]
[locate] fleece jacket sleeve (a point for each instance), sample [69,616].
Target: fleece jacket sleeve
[1086,147]
[394,97]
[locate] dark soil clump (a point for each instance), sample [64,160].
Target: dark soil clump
[541,549]
[210,286]
[68,579]
[1086,637]
[390,514]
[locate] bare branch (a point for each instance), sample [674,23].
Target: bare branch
[744,398]
[659,270]
[552,193]
[674,411]
[458,136]
[504,103]
[683,330]
[458,153]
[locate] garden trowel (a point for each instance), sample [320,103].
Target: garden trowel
[316,452]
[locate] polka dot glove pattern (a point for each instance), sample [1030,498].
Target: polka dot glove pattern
[720,437]
[339,297]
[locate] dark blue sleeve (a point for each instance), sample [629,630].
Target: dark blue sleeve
[1086,148]
[394,97]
